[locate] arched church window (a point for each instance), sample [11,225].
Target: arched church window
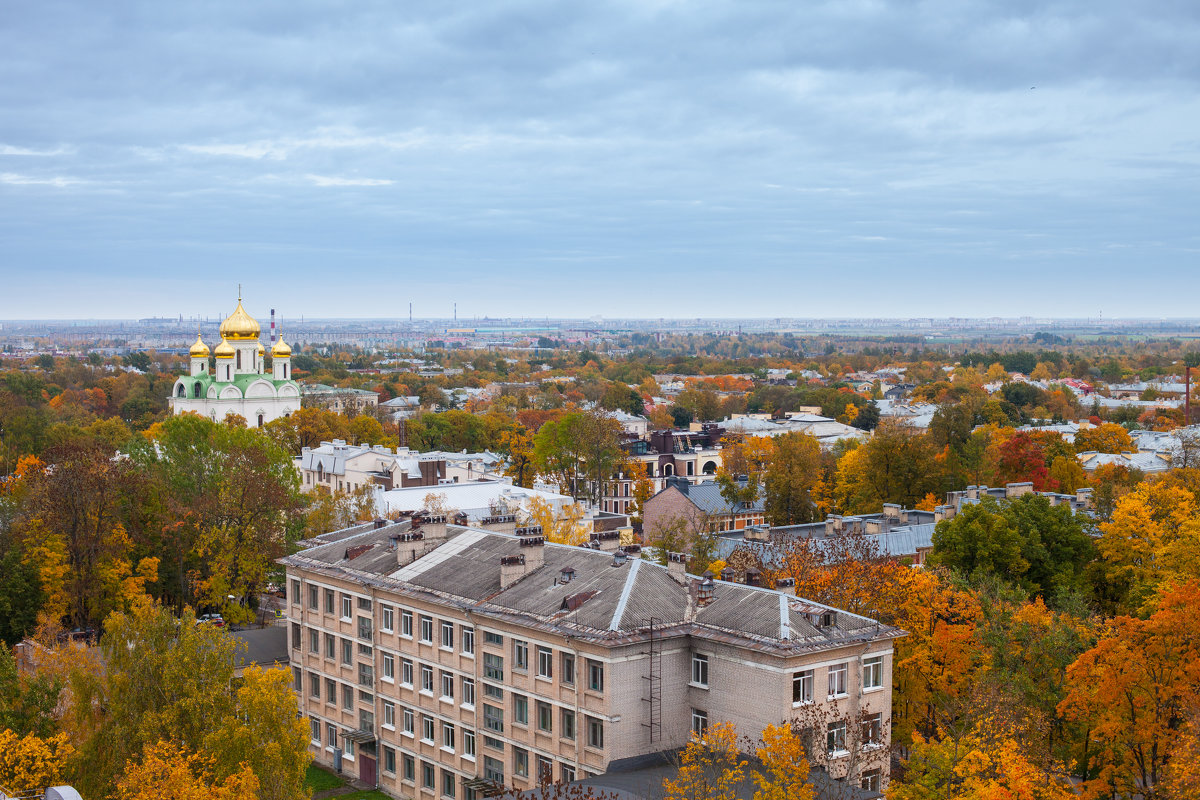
[181,392]
[196,389]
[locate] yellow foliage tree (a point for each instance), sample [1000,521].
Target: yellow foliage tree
[562,527]
[1154,535]
[29,764]
[710,767]
[785,766]
[1108,437]
[169,771]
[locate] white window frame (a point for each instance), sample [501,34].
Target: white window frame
[545,663]
[807,680]
[872,673]
[839,679]
[699,671]
[447,640]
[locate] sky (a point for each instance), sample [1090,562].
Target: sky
[646,158]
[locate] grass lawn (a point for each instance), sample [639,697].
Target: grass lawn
[373,794]
[319,779]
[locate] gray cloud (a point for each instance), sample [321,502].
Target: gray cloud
[578,158]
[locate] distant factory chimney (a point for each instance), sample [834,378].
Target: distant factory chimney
[272,326]
[410,313]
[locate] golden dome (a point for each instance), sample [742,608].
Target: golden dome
[281,349]
[199,349]
[239,326]
[224,349]
[261,351]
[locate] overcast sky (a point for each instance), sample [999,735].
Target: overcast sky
[570,158]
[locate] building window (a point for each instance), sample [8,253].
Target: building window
[347,651]
[872,672]
[366,719]
[427,679]
[545,768]
[468,641]
[493,770]
[802,686]
[314,641]
[468,691]
[493,718]
[410,721]
[494,692]
[567,772]
[448,783]
[699,670]
[331,734]
[595,733]
[389,714]
[406,672]
[448,635]
[295,593]
[595,676]
[389,667]
[331,691]
[493,743]
[366,675]
[520,709]
[427,630]
[568,725]
[835,737]
[364,628]
[410,768]
[389,760]
[330,646]
[520,655]
[545,716]
[871,780]
[297,679]
[348,697]
[316,731]
[347,607]
[329,601]
[448,736]
[872,729]
[314,685]
[427,729]
[493,667]
[448,686]
[545,662]
[468,742]
[520,762]
[428,776]
[313,592]
[406,624]
[297,636]
[364,604]
[388,619]
[837,680]
[699,722]
[491,637]
[568,668]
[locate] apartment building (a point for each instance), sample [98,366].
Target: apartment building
[339,466]
[440,661]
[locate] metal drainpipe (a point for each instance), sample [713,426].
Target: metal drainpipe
[580,728]
[476,659]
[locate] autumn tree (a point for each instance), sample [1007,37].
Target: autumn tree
[167,771]
[782,770]
[1018,458]
[1154,535]
[790,478]
[168,679]
[710,768]
[1105,438]
[29,764]
[562,526]
[1133,691]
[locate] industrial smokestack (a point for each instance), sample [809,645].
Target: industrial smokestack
[272,326]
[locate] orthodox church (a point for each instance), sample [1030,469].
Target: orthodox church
[241,384]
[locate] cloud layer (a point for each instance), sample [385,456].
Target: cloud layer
[847,158]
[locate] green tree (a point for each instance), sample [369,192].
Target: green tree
[978,542]
[791,475]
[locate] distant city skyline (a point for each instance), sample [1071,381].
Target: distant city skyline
[634,159]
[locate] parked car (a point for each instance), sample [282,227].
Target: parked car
[211,619]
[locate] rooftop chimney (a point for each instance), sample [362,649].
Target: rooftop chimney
[704,591]
[753,577]
[567,574]
[607,541]
[512,569]
[677,567]
[432,525]
[410,546]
